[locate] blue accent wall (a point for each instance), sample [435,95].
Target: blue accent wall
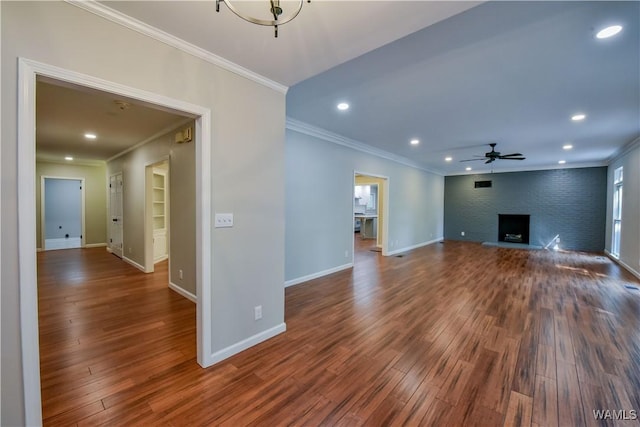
[568,202]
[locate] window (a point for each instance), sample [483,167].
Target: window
[617,212]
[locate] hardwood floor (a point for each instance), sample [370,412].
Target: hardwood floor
[449,334]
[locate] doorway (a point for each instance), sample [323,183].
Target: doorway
[370,213]
[29,71]
[156,222]
[115,214]
[62,213]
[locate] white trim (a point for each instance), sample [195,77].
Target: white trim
[135,264]
[249,342]
[488,171]
[95,245]
[419,245]
[622,264]
[26,160]
[173,41]
[188,295]
[316,275]
[325,135]
[624,151]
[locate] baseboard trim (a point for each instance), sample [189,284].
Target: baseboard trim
[188,295]
[622,264]
[38,249]
[316,275]
[96,245]
[236,348]
[157,260]
[419,245]
[133,263]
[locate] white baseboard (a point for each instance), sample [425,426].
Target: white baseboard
[188,295]
[316,275]
[38,249]
[96,245]
[249,342]
[419,245]
[133,263]
[622,264]
[109,249]
[157,260]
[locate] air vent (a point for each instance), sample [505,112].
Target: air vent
[482,184]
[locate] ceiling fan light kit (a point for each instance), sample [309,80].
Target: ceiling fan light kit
[274,8]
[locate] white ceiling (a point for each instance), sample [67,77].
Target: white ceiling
[451,74]
[64,113]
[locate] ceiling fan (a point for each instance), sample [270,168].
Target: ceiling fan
[492,155]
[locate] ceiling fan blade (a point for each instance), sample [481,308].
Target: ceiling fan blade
[471,160]
[511,155]
[490,160]
[512,158]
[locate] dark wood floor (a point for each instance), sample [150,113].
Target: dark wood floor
[449,334]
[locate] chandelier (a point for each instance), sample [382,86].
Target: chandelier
[274,9]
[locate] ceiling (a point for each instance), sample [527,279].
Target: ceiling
[455,75]
[65,112]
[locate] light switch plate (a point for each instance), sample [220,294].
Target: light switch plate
[223,220]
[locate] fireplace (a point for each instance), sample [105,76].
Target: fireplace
[513,228]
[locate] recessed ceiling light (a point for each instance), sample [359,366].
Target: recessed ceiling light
[415,141]
[607,32]
[448,159]
[90,135]
[567,147]
[467,168]
[68,158]
[578,117]
[562,162]
[343,106]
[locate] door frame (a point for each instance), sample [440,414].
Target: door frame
[43,234]
[149,259]
[28,71]
[385,218]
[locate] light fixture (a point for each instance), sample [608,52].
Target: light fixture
[610,31]
[567,147]
[69,158]
[90,135]
[562,162]
[414,142]
[343,106]
[448,159]
[274,9]
[467,168]
[578,117]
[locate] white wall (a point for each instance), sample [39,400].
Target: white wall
[247,156]
[319,204]
[630,238]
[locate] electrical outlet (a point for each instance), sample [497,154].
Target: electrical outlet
[180,273]
[257,312]
[130,250]
[346,254]
[462,233]
[223,220]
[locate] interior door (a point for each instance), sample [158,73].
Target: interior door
[115,207]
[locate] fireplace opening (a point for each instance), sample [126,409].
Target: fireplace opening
[513,228]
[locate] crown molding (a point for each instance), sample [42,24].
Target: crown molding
[626,149]
[533,168]
[325,135]
[120,18]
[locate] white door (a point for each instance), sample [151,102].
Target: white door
[115,207]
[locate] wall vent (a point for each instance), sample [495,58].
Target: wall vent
[482,184]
